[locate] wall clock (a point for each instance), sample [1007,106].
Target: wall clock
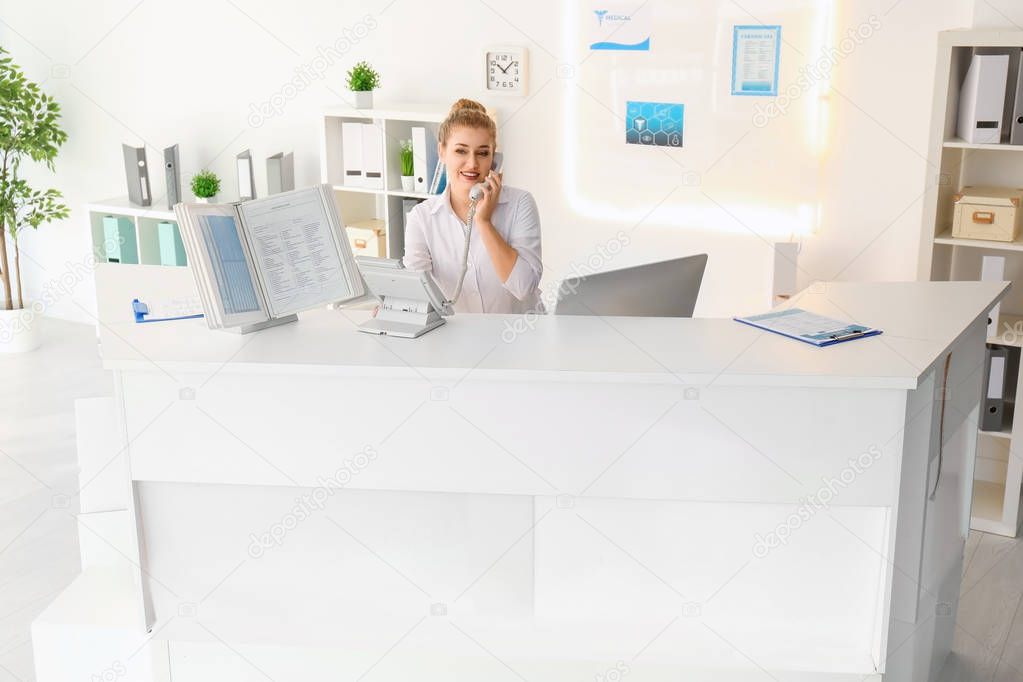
[507,70]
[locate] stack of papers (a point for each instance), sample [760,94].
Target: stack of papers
[807,327]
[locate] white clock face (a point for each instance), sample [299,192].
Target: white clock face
[504,71]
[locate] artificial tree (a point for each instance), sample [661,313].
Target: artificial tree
[29,129]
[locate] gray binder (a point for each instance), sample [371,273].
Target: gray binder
[280,173]
[1016,124]
[246,179]
[173,174]
[996,367]
[137,174]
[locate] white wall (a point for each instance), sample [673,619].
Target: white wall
[190,73]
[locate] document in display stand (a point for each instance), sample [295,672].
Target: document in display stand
[262,261]
[817,330]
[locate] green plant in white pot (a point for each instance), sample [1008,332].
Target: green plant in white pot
[363,80]
[408,179]
[205,185]
[29,130]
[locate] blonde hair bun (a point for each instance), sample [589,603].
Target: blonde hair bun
[469,104]
[467,113]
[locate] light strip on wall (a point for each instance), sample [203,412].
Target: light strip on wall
[771,221]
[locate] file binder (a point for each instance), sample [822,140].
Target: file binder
[351,153]
[280,173]
[172,174]
[1016,124]
[372,156]
[246,181]
[996,364]
[172,249]
[119,241]
[424,157]
[137,174]
[982,99]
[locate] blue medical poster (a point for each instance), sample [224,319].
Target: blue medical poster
[616,25]
[756,51]
[654,123]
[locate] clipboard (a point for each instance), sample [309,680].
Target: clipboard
[816,330]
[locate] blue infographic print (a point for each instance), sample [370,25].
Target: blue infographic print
[654,123]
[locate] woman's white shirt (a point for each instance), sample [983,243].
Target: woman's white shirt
[435,238]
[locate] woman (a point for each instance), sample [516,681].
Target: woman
[504,266]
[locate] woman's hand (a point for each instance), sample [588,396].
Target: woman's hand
[491,193]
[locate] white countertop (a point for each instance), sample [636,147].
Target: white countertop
[920,321]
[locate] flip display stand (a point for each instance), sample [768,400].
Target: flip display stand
[258,326]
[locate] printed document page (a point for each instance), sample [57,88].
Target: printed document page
[293,244]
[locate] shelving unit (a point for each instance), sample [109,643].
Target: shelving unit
[953,164]
[361,205]
[144,219]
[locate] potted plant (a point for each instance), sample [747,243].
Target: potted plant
[408,180]
[205,185]
[363,80]
[29,129]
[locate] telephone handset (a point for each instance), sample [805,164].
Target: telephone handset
[475,194]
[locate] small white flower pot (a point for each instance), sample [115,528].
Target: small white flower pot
[19,330]
[204,200]
[408,183]
[364,99]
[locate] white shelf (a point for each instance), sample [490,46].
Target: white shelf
[359,190]
[383,192]
[359,204]
[1000,164]
[947,238]
[121,206]
[959,143]
[144,220]
[988,513]
[397,113]
[988,499]
[410,195]
[1010,331]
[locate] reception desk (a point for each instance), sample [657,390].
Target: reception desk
[557,498]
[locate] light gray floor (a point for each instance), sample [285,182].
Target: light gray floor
[39,543]
[38,479]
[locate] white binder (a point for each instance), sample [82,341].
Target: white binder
[424,157]
[351,153]
[246,178]
[372,156]
[992,269]
[982,99]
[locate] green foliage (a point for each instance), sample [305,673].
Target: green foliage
[363,78]
[33,207]
[205,184]
[29,129]
[406,158]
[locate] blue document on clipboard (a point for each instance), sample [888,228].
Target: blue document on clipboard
[808,327]
[167,310]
